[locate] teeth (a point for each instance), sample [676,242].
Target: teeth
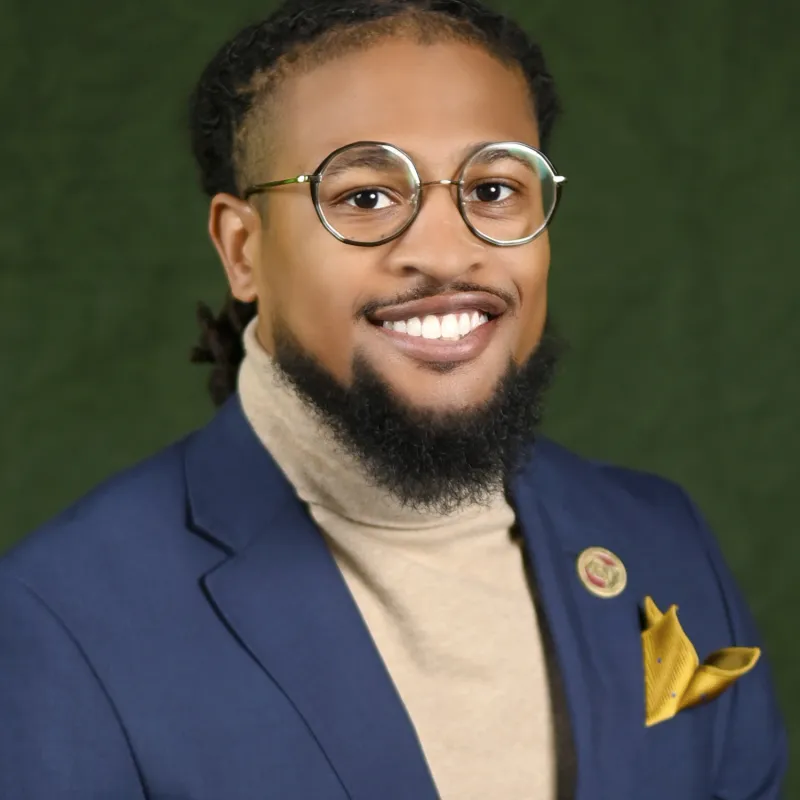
[451,327]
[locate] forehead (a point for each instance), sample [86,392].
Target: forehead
[432,100]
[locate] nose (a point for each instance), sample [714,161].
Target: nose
[438,243]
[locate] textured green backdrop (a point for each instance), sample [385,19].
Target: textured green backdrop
[675,263]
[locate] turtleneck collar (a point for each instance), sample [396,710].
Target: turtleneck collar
[334,481]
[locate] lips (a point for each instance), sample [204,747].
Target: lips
[456,303]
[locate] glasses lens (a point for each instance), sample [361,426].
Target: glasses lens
[367,193]
[508,192]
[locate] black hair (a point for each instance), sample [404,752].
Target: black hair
[227,92]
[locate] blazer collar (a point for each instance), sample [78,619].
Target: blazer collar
[283,596]
[564,505]
[233,486]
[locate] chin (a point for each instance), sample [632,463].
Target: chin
[446,395]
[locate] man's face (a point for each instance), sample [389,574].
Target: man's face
[435,102]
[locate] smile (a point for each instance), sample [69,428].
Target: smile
[434,340]
[451,327]
[447,328]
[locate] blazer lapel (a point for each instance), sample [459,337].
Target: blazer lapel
[597,641]
[283,596]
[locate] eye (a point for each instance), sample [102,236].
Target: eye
[368,200]
[490,192]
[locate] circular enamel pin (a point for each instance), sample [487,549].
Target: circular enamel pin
[601,572]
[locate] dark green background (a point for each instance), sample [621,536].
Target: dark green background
[674,276]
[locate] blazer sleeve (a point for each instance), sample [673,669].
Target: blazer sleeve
[60,738]
[754,755]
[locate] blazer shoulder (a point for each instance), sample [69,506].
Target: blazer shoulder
[649,519]
[145,496]
[653,525]
[603,485]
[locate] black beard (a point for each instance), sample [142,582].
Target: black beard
[432,461]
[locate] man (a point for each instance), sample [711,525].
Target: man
[364,578]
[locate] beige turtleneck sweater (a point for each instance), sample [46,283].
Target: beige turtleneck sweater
[445,599]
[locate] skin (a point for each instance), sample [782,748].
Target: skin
[435,102]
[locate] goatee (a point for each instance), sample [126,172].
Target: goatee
[431,461]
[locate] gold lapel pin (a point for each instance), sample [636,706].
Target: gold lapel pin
[602,572]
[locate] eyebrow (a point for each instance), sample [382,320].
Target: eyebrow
[374,158]
[490,156]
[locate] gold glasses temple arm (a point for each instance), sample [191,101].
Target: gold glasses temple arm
[261,187]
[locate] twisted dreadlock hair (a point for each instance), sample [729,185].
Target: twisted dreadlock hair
[241,77]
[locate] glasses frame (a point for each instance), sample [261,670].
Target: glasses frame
[313,180]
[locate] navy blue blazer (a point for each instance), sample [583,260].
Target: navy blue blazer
[184,633]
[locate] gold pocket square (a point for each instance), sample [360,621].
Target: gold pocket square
[674,678]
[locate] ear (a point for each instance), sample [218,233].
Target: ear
[235,229]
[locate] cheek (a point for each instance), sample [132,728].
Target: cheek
[315,290]
[531,280]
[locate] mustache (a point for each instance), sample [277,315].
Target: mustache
[424,292]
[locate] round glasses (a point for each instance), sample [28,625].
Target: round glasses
[369,193]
